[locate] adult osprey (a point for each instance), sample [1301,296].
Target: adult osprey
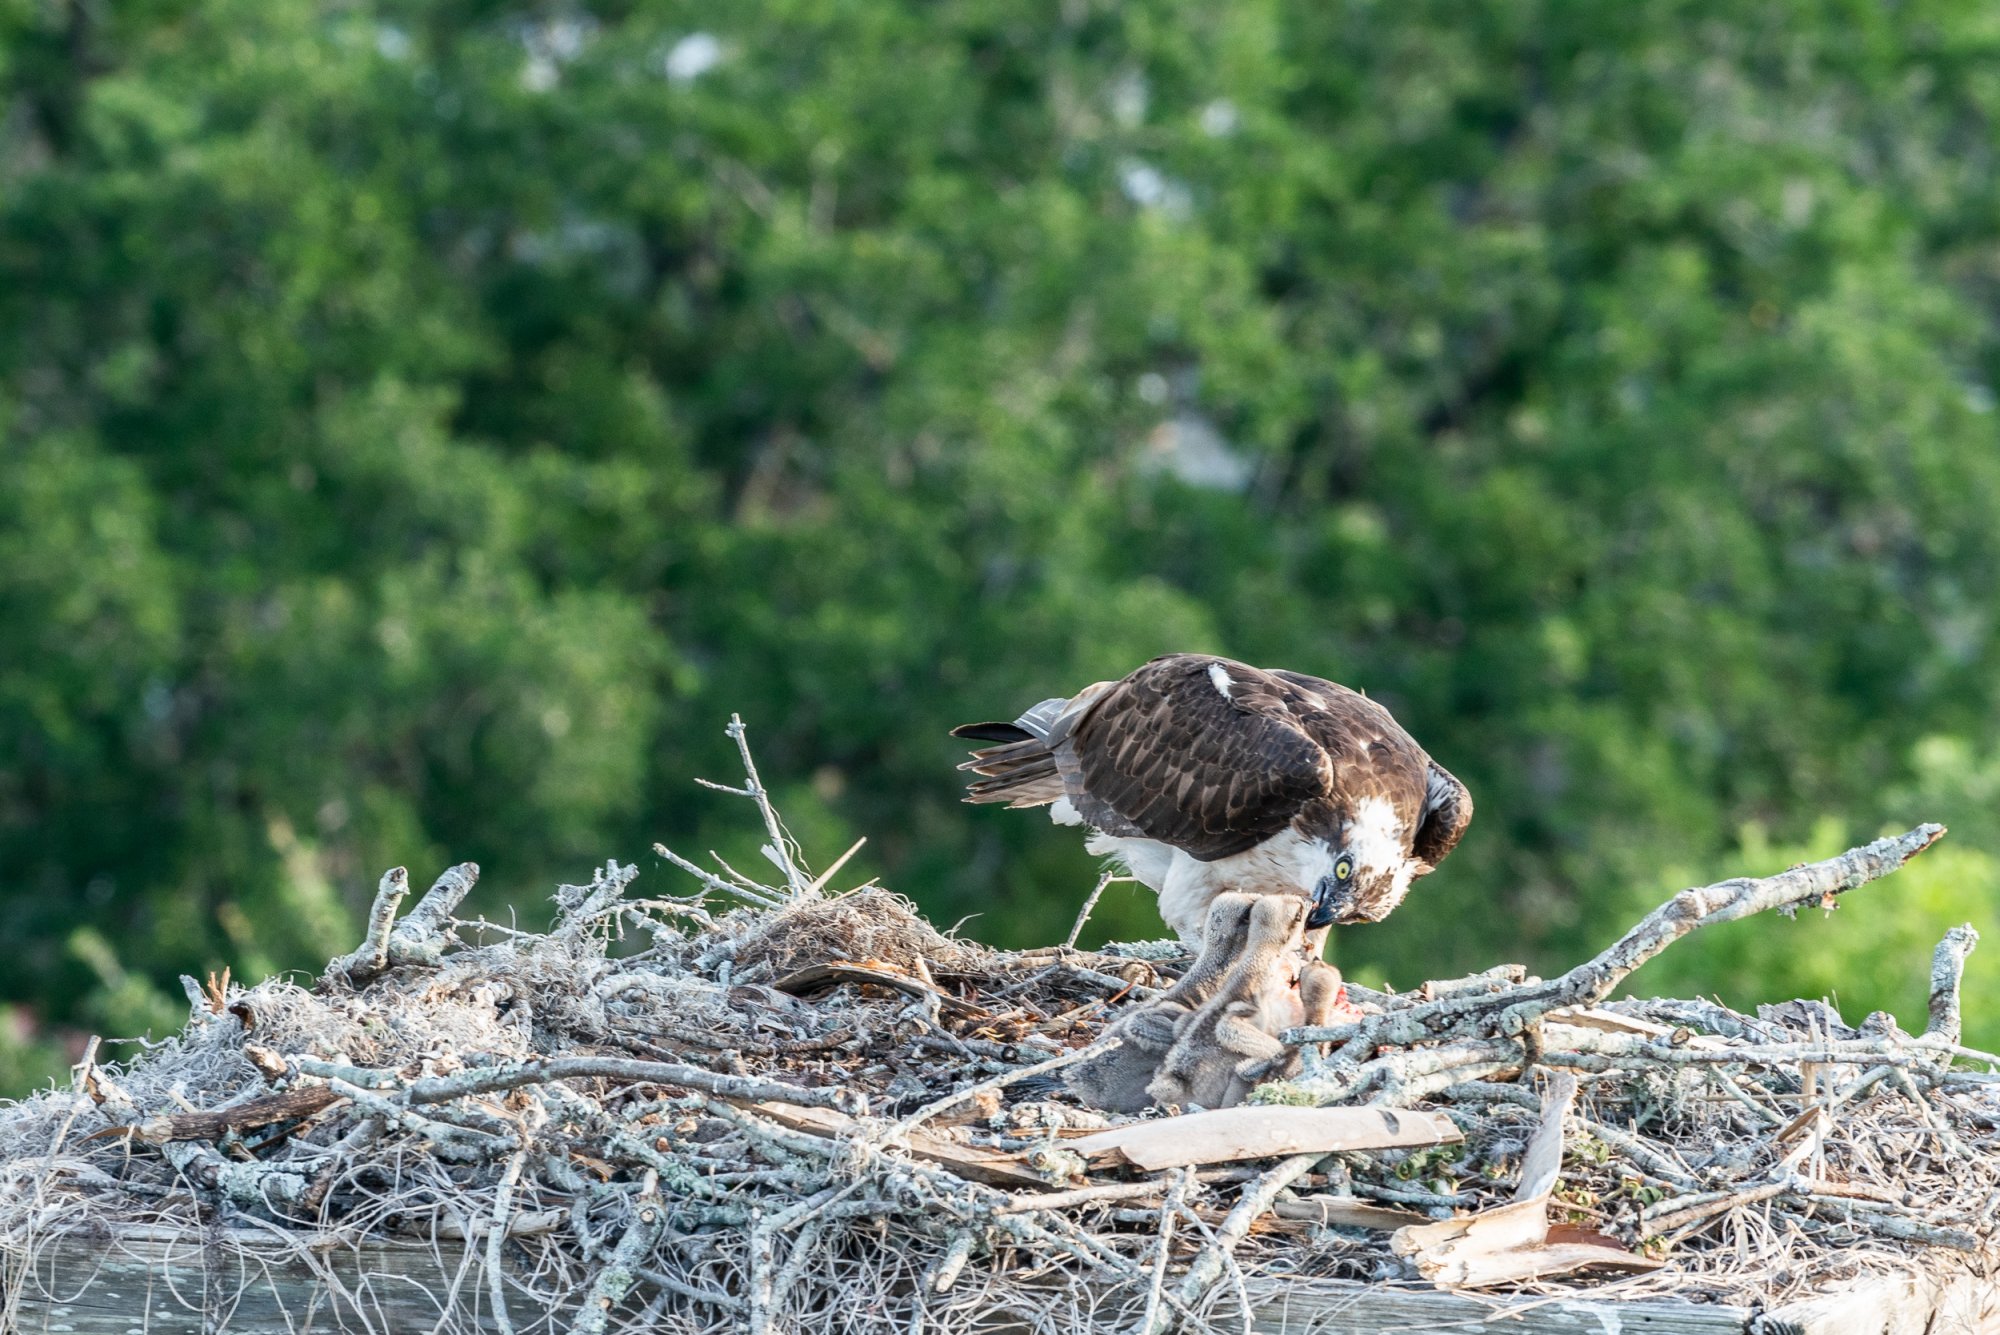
[1204,775]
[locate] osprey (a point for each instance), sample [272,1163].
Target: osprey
[1205,776]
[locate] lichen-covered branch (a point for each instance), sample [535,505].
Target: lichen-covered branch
[1947,971]
[514,1075]
[1510,1010]
[623,1269]
[421,937]
[1812,883]
[373,955]
[1208,1265]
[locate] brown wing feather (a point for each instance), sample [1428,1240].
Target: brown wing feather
[1447,811]
[1166,755]
[1369,753]
[1373,757]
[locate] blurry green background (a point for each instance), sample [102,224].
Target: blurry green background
[422,422]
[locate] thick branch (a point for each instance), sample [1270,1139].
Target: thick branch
[1595,979]
[248,1185]
[456,1144]
[513,1075]
[287,1106]
[373,956]
[1257,1197]
[1005,1078]
[615,1280]
[1947,969]
[421,936]
[1725,901]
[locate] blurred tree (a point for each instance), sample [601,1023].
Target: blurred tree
[422,422]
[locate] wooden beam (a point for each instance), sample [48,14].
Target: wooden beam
[218,1283]
[1329,1307]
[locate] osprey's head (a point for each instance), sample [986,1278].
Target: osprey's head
[1370,868]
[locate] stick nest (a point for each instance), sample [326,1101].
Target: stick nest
[774,1107]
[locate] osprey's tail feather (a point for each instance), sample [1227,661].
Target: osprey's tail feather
[993,732]
[1021,774]
[1021,771]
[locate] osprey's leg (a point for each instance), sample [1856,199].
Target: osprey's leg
[1186,891]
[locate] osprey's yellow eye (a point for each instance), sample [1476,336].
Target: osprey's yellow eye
[1343,869]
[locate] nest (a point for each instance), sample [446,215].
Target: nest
[768,1106]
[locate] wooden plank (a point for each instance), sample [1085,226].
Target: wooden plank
[1253,1131]
[215,1283]
[1329,1307]
[220,1283]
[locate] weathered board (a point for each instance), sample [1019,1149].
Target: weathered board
[215,1285]
[1251,1131]
[207,1285]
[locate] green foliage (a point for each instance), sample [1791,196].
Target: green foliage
[123,1005]
[422,423]
[26,1060]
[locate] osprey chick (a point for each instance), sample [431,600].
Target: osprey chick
[1204,776]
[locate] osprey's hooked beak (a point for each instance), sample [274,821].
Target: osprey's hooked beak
[1322,906]
[1333,897]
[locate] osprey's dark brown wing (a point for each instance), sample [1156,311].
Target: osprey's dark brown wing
[1447,811]
[1195,751]
[1372,755]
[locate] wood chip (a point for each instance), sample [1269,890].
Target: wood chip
[1252,1131]
[1514,1242]
[1347,1212]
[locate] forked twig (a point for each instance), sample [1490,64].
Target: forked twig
[780,850]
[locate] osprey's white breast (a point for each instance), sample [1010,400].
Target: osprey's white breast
[1286,863]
